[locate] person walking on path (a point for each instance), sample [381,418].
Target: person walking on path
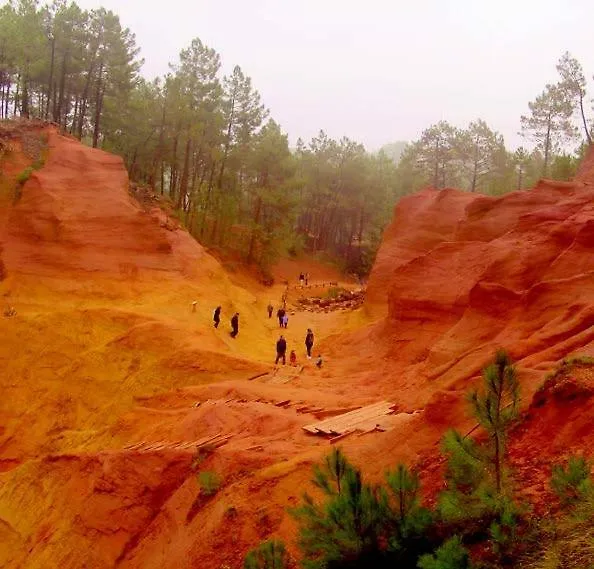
[281,350]
[319,361]
[217,316]
[309,342]
[293,358]
[235,325]
[280,313]
[301,278]
[285,320]
[270,308]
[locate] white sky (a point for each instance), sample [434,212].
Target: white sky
[375,70]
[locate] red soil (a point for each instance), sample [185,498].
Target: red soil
[105,351]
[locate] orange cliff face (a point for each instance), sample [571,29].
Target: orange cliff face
[105,352]
[76,219]
[459,275]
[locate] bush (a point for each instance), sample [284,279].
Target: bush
[38,164]
[335,292]
[268,555]
[209,483]
[346,530]
[451,555]
[24,176]
[572,483]
[362,525]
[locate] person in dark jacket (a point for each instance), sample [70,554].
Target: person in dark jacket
[270,309]
[309,342]
[235,325]
[281,350]
[217,316]
[280,314]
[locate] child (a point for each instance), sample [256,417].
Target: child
[293,358]
[319,361]
[285,320]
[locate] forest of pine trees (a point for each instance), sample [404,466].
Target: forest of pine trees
[206,141]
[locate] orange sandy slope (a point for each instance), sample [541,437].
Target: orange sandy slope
[105,351]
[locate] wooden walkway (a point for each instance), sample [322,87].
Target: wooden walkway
[282,374]
[214,441]
[366,419]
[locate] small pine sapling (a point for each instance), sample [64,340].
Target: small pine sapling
[268,555]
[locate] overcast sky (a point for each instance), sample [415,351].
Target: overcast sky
[375,70]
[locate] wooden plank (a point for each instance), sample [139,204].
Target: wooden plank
[360,419]
[257,375]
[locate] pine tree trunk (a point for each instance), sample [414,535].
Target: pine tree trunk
[588,136]
[250,255]
[98,106]
[183,187]
[16,95]
[51,78]
[547,148]
[227,141]
[84,99]
[436,170]
[25,99]
[58,114]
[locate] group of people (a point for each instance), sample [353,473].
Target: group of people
[303,278]
[216,317]
[281,350]
[281,344]
[283,317]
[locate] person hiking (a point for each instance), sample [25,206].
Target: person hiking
[309,342]
[301,278]
[319,360]
[270,308]
[281,350]
[280,313]
[217,316]
[285,320]
[235,325]
[293,358]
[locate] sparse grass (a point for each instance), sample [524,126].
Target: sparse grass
[335,292]
[565,367]
[201,455]
[568,544]
[24,176]
[209,482]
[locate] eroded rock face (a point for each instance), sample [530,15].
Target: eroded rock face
[461,274]
[76,217]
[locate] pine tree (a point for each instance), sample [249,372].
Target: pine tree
[268,555]
[573,82]
[496,408]
[549,123]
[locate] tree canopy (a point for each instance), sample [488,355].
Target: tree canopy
[206,141]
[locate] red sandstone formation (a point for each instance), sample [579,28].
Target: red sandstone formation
[105,354]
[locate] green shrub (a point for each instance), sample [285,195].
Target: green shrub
[451,555]
[572,483]
[470,494]
[24,176]
[335,292]
[209,483]
[347,529]
[268,555]
[38,164]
